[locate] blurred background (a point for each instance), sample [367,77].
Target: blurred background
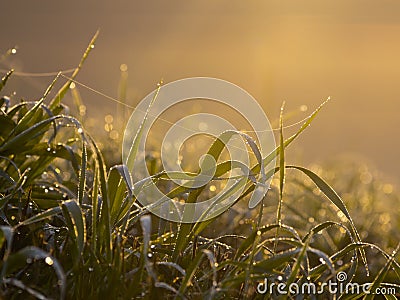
[300,52]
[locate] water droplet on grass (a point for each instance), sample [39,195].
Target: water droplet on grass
[49,261]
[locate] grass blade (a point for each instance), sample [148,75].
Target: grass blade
[56,101]
[5,78]
[330,193]
[76,224]
[19,259]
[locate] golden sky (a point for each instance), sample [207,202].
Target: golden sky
[297,51]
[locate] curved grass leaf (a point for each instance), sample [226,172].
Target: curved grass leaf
[76,224]
[82,175]
[51,212]
[336,200]
[34,114]
[299,260]
[381,275]
[6,234]
[18,260]
[32,132]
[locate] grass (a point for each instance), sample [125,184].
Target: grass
[71,228]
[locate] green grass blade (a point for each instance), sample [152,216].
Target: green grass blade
[27,135]
[330,193]
[299,260]
[270,157]
[191,270]
[281,175]
[95,216]
[104,227]
[381,275]
[138,136]
[18,260]
[41,216]
[56,101]
[82,175]
[76,224]
[31,117]
[5,78]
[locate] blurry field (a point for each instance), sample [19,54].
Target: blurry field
[71,228]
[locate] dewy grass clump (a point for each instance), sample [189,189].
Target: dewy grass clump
[72,229]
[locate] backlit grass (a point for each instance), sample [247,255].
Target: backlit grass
[71,228]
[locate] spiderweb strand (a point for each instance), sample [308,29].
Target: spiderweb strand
[45,74]
[68,71]
[164,120]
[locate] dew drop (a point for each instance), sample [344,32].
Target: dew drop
[150,255]
[80,130]
[48,261]
[29,260]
